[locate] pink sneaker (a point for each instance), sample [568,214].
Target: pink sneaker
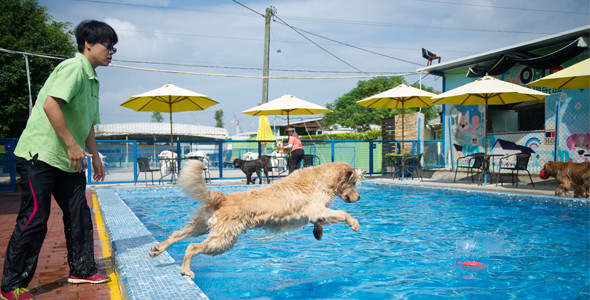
[96,278]
[17,294]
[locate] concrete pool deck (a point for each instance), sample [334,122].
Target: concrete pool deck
[130,241]
[50,280]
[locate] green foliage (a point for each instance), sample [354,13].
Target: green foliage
[157,117]
[369,135]
[26,27]
[219,118]
[348,113]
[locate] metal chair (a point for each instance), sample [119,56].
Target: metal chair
[471,162]
[144,167]
[521,164]
[308,160]
[413,165]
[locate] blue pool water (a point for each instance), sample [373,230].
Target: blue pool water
[408,247]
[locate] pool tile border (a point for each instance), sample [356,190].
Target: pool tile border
[581,202]
[144,277]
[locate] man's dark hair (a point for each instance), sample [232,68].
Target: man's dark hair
[93,32]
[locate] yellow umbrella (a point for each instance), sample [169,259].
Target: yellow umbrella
[264,131]
[286,105]
[168,99]
[401,96]
[488,91]
[576,76]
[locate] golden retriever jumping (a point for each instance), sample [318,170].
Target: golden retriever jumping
[291,202]
[569,175]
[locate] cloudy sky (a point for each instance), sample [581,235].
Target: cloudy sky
[222,37]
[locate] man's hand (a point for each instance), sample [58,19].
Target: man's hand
[98,169]
[77,157]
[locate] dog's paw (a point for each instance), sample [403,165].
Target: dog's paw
[154,251]
[187,272]
[354,224]
[318,231]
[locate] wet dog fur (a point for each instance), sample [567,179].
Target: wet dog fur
[289,203]
[570,175]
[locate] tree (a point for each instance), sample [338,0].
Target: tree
[348,113]
[27,27]
[157,117]
[219,118]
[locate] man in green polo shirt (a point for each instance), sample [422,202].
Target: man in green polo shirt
[51,159]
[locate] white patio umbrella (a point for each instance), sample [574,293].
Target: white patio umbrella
[286,105]
[576,76]
[401,96]
[168,99]
[488,91]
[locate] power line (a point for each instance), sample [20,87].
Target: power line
[250,9]
[466,3]
[318,45]
[388,24]
[330,20]
[216,75]
[359,48]
[163,7]
[242,68]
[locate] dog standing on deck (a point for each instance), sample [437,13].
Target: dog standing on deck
[291,202]
[569,175]
[251,166]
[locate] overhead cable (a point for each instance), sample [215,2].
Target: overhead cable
[359,48]
[317,45]
[218,75]
[245,68]
[262,77]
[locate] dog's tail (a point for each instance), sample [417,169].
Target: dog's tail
[191,181]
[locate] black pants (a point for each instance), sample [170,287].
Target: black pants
[38,181]
[295,160]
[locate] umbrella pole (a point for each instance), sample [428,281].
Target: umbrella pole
[485,143]
[171,133]
[402,147]
[172,168]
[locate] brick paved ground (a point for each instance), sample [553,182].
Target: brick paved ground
[52,270]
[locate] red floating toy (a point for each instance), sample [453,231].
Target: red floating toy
[471,265]
[543,175]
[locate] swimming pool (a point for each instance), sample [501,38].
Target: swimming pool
[410,244]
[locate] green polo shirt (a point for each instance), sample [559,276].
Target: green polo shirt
[74,81]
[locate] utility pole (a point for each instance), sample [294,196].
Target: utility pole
[270,11]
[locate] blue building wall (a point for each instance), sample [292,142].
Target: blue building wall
[566,136]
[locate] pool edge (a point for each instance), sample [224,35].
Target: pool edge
[144,277]
[567,201]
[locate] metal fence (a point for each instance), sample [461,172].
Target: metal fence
[120,157]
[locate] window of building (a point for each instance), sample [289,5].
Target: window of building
[524,116]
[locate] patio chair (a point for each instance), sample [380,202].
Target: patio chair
[521,164]
[407,165]
[470,162]
[413,165]
[144,167]
[308,160]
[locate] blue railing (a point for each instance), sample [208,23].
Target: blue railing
[120,156]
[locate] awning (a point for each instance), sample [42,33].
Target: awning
[506,61]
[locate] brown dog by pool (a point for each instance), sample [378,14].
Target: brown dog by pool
[291,202]
[569,175]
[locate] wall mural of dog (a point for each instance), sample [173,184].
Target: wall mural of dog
[251,166]
[579,147]
[569,175]
[298,199]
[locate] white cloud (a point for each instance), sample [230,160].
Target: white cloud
[225,34]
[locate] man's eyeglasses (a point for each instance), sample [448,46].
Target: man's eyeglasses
[110,47]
